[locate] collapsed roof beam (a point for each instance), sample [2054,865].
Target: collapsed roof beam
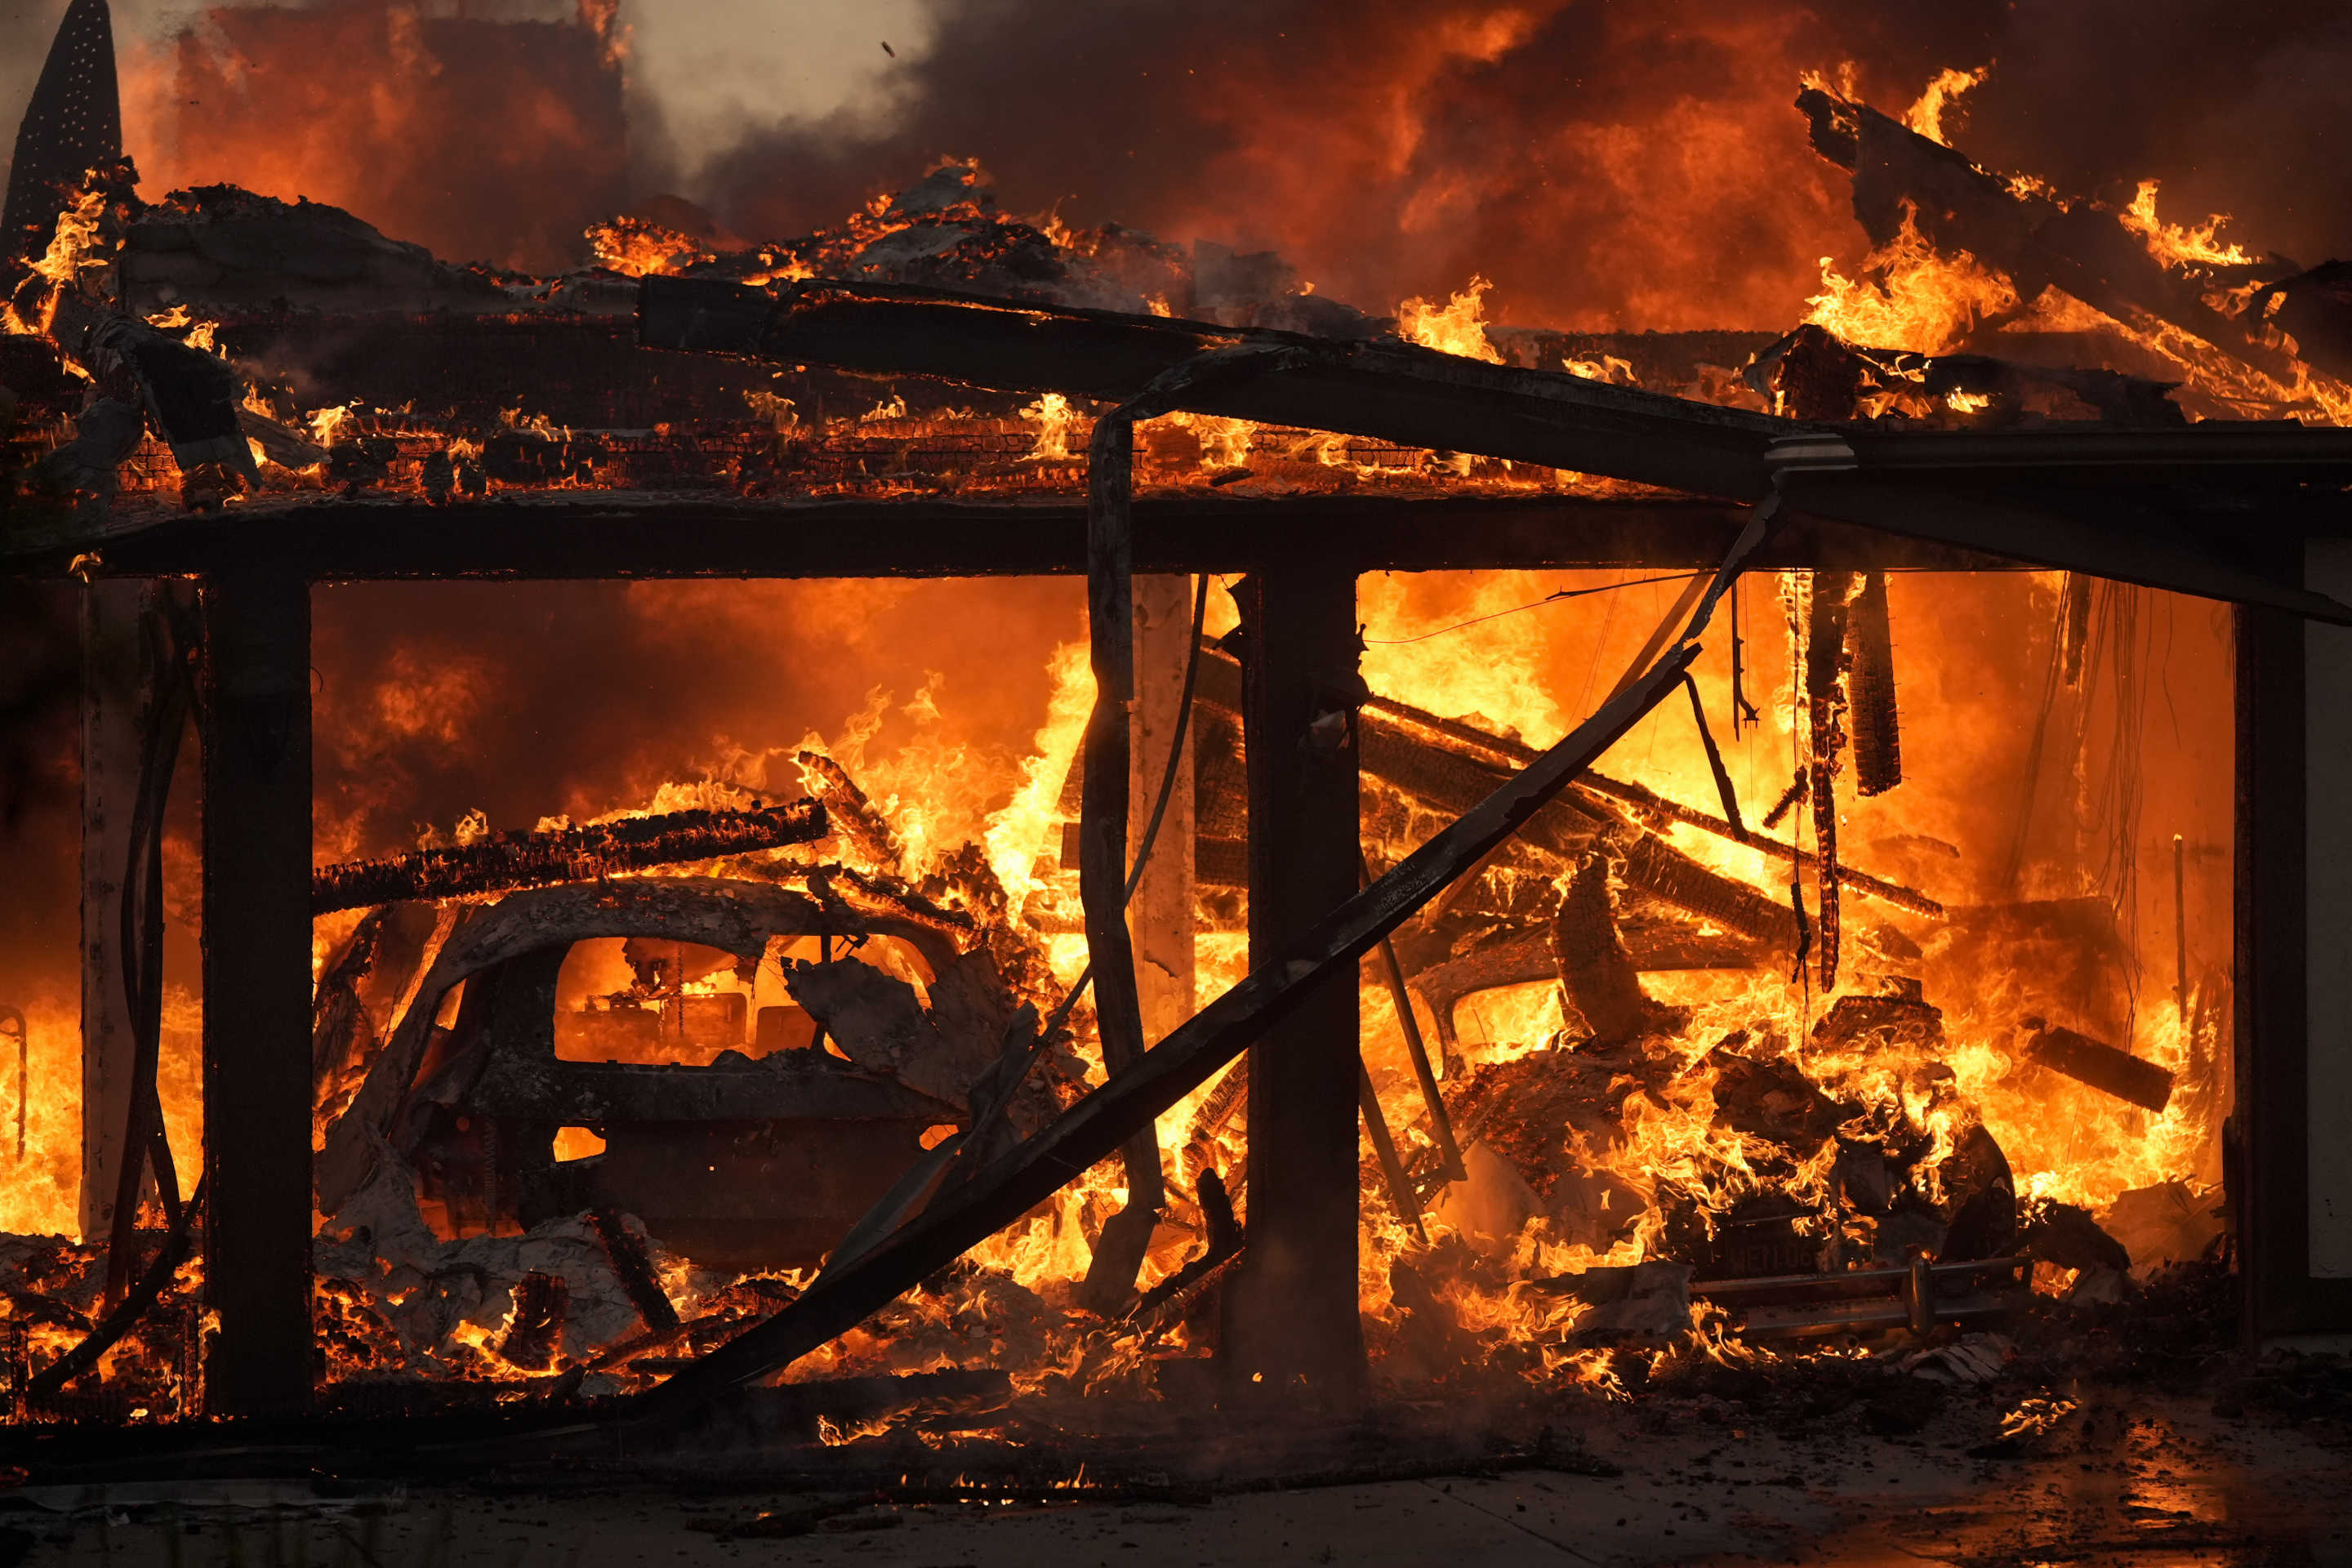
[1400,391]
[1902,176]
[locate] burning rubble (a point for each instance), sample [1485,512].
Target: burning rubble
[1672,1066]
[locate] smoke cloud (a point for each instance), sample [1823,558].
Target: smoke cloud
[1606,163]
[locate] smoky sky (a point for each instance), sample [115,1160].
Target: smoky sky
[1607,163]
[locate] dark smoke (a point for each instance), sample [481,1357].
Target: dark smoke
[1605,162]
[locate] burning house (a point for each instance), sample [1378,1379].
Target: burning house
[1538,861]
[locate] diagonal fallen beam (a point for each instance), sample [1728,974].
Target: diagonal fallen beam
[1091,1131]
[1900,175]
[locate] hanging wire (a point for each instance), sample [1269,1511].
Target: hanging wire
[1538,605]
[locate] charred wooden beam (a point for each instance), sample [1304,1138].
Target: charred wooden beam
[1647,802]
[1594,964]
[1440,1118]
[1291,1313]
[2101,1065]
[1160,913]
[1401,1196]
[1656,867]
[193,398]
[634,1266]
[257,973]
[1524,957]
[1417,397]
[510,860]
[1826,597]
[1105,883]
[2038,241]
[1389,388]
[1449,777]
[847,814]
[605,535]
[118,696]
[1877,725]
[1325,953]
[535,1324]
[1102,840]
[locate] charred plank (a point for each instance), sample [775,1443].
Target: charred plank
[2101,1065]
[1877,725]
[507,860]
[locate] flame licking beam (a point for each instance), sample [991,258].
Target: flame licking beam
[2085,251]
[1399,392]
[507,860]
[1089,1131]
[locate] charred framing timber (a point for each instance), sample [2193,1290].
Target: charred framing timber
[1223,1241]
[1328,951]
[1826,598]
[2099,1065]
[138,937]
[1593,966]
[117,701]
[1947,487]
[1723,790]
[846,812]
[1210,1118]
[608,534]
[1528,956]
[1440,1118]
[1649,803]
[1919,1297]
[1161,911]
[509,860]
[1450,777]
[1658,869]
[2036,240]
[1104,885]
[633,1265]
[1290,1312]
[1445,764]
[1870,689]
[1102,837]
[1401,1196]
[257,974]
[191,397]
[340,1030]
[535,1323]
[1409,394]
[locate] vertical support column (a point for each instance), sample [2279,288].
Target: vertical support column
[117,701]
[256,967]
[2290,1187]
[1159,916]
[1292,1315]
